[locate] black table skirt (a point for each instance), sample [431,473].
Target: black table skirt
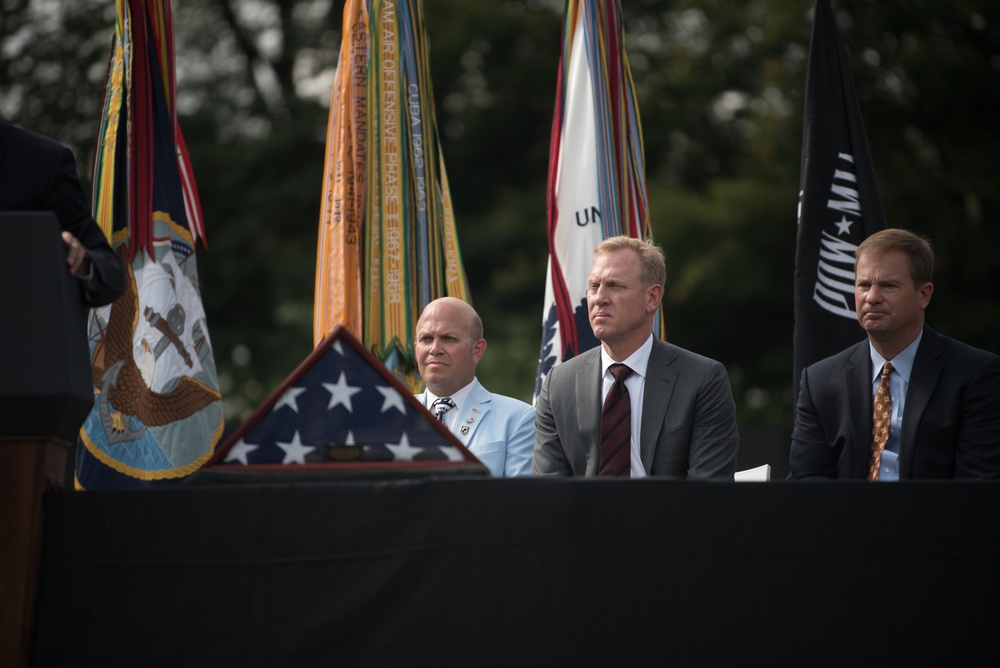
[455,571]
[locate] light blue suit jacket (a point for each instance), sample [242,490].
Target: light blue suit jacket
[498,430]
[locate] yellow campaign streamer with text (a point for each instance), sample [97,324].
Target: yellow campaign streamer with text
[388,243]
[338,268]
[392,288]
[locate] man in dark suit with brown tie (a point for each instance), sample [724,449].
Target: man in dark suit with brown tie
[944,411]
[39,174]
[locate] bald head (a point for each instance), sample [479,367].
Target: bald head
[449,344]
[456,311]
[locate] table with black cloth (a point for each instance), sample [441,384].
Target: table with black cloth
[456,571]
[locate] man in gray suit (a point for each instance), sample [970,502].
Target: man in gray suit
[942,412]
[680,404]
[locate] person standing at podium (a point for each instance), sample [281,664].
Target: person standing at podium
[498,430]
[38,173]
[907,402]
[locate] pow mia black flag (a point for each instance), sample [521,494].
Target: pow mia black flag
[839,204]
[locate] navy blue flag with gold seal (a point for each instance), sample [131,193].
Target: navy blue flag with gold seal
[839,203]
[343,411]
[157,412]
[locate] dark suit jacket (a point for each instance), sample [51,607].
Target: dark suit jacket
[688,417]
[951,418]
[39,174]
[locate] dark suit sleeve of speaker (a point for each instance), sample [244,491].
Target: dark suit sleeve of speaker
[977,452]
[715,438]
[810,455]
[65,197]
[549,458]
[108,280]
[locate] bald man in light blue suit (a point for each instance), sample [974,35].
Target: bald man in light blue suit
[498,430]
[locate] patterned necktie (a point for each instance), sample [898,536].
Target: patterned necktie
[882,411]
[616,426]
[442,406]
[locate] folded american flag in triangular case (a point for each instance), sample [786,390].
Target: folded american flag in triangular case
[342,412]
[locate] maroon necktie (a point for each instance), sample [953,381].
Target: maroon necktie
[616,426]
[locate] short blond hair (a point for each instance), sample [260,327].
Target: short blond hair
[652,265]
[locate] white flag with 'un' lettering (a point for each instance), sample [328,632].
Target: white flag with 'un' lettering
[597,185]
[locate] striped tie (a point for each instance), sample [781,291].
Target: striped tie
[442,406]
[616,426]
[882,411]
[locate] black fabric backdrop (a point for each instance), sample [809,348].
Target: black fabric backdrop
[473,572]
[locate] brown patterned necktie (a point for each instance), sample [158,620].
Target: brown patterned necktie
[882,412]
[616,426]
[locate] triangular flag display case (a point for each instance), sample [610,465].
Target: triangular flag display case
[340,414]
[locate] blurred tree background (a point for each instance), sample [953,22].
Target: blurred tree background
[720,87]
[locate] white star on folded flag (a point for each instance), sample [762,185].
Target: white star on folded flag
[393,399]
[290,398]
[341,393]
[239,452]
[295,452]
[402,451]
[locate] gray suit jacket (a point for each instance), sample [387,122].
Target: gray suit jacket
[951,418]
[688,417]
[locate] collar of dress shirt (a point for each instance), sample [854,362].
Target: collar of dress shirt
[901,363]
[637,361]
[459,397]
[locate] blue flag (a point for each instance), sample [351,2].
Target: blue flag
[157,412]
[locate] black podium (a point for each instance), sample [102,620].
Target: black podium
[45,395]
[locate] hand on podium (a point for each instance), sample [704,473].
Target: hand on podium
[77,258]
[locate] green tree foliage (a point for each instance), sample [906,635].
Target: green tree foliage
[53,66]
[720,88]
